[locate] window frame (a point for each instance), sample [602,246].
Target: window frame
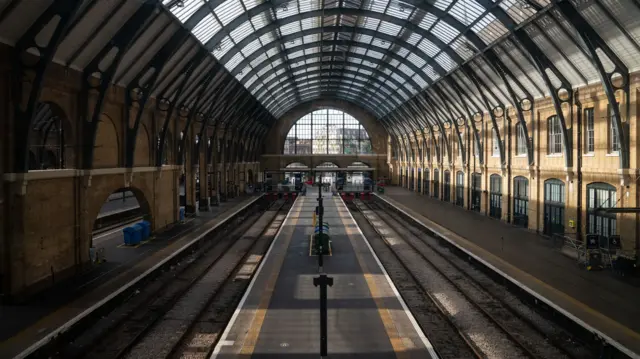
[521,141]
[555,143]
[589,130]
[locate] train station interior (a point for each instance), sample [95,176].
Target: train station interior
[158,155]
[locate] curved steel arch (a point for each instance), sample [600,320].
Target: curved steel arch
[349,100]
[337,29]
[331,76]
[341,71]
[338,82]
[333,86]
[375,61]
[327,12]
[346,96]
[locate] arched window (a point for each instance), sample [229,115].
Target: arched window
[520,201]
[436,183]
[495,196]
[327,131]
[446,189]
[460,188]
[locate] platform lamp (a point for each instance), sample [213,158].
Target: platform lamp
[322,280]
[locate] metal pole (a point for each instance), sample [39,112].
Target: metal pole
[323,281]
[320,224]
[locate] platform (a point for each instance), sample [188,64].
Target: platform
[279,315]
[25,324]
[598,299]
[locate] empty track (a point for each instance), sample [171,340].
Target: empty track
[182,313]
[488,319]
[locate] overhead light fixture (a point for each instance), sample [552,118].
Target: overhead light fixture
[402,8]
[525,5]
[175,3]
[217,48]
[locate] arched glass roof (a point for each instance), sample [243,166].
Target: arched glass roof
[418,66]
[379,53]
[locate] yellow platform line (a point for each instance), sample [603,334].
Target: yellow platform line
[251,339]
[504,266]
[396,341]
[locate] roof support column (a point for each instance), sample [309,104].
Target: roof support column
[98,75]
[543,64]
[139,91]
[31,71]
[593,42]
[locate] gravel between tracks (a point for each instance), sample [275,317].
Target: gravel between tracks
[556,335]
[166,334]
[441,333]
[483,333]
[203,336]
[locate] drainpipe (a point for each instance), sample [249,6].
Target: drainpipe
[579,167]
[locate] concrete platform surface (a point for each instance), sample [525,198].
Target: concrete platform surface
[26,323]
[279,315]
[599,299]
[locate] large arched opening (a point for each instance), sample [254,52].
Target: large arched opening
[121,208]
[327,132]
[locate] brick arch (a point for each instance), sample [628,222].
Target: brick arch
[101,191]
[69,140]
[279,130]
[106,151]
[142,152]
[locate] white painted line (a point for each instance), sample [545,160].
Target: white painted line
[412,319]
[550,303]
[234,317]
[66,326]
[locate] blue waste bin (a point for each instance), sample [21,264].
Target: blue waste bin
[147,228]
[136,238]
[181,216]
[128,234]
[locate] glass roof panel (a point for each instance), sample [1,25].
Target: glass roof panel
[378,43]
[185,12]
[228,10]
[466,11]
[206,28]
[241,32]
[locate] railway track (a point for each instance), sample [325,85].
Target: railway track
[168,317]
[491,321]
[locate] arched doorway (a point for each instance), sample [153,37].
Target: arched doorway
[521,201]
[554,206]
[446,191]
[601,196]
[495,196]
[460,188]
[326,177]
[436,183]
[476,192]
[297,176]
[411,179]
[427,173]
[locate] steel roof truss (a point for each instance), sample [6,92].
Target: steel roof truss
[59,14]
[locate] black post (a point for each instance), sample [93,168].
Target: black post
[320,227]
[323,281]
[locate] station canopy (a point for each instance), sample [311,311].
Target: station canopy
[435,61]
